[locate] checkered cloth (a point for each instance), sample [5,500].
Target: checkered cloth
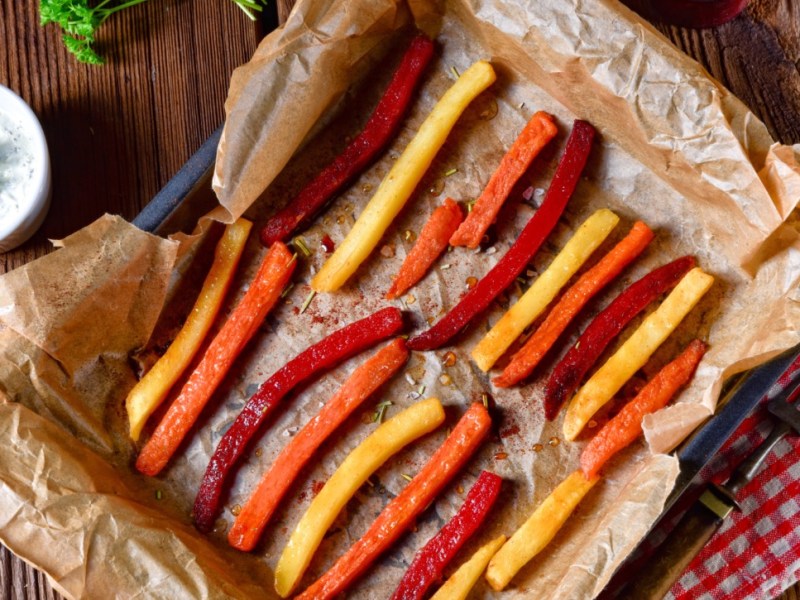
[756,553]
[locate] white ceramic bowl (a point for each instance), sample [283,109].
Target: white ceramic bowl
[22,212]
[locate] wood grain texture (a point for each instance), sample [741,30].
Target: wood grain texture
[119,132]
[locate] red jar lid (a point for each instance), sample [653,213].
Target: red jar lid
[689,13]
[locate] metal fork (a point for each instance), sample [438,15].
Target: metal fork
[708,513]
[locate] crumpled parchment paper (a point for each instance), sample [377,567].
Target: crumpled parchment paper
[675,150]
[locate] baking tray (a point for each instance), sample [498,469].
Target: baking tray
[188,195]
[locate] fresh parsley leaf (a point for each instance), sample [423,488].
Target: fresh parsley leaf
[248,6]
[82,49]
[80,20]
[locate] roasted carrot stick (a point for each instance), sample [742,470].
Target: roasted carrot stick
[535,136]
[276,481]
[244,321]
[575,298]
[153,388]
[538,531]
[626,426]
[432,241]
[402,179]
[400,513]
[586,239]
[635,351]
[383,443]
[478,299]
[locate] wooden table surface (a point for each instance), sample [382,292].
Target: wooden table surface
[117,133]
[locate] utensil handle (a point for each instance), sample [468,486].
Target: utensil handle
[673,556]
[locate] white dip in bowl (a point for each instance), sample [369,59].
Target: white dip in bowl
[24,171]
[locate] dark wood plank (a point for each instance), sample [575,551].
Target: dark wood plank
[284,8]
[19,581]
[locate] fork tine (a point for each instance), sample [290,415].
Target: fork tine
[784,408]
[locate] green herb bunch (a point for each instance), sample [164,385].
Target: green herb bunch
[80,20]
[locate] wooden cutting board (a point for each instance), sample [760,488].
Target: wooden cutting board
[122,130]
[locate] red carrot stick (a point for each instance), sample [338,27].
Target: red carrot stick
[530,239]
[401,512]
[325,354]
[575,298]
[359,153]
[261,505]
[244,321]
[535,136]
[605,327]
[432,241]
[431,560]
[626,426]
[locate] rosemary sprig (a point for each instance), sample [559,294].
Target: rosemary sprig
[380,411]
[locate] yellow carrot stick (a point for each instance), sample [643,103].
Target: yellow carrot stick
[464,579]
[635,352]
[398,185]
[577,250]
[151,390]
[538,531]
[240,326]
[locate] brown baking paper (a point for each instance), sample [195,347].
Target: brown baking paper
[674,149]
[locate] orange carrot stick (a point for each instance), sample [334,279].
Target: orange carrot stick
[276,481]
[535,136]
[244,321]
[401,512]
[627,425]
[575,298]
[432,241]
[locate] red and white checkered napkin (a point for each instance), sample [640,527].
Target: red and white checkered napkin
[756,553]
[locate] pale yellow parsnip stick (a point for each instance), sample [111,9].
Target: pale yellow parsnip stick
[402,179]
[539,530]
[460,583]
